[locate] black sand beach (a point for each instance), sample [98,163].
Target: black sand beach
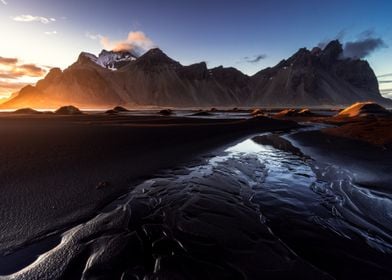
[56,170]
[126,197]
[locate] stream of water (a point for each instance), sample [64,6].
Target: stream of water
[253,212]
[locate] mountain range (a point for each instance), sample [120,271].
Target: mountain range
[317,77]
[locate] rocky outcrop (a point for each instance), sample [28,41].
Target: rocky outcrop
[116,110]
[295,113]
[166,112]
[363,109]
[26,111]
[316,78]
[68,110]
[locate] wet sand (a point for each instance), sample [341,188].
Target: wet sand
[196,205]
[251,211]
[350,237]
[358,144]
[375,131]
[57,170]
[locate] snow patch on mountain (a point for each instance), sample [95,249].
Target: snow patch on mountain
[112,60]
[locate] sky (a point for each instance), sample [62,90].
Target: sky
[249,35]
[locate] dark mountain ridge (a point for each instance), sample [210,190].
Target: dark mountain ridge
[318,77]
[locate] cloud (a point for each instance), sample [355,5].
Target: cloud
[31,70]
[14,75]
[10,68]
[255,58]
[136,41]
[93,36]
[54,32]
[8,61]
[385,75]
[10,75]
[385,82]
[4,2]
[9,86]
[339,36]
[25,70]
[365,45]
[386,92]
[30,18]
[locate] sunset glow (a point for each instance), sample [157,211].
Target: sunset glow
[52,33]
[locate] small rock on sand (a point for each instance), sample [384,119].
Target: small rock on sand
[27,111]
[295,113]
[117,109]
[165,112]
[68,110]
[256,112]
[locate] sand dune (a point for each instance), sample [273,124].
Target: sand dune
[361,109]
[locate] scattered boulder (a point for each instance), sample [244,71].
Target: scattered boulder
[111,112]
[165,112]
[26,111]
[116,110]
[306,113]
[257,112]
[68,110]
[362,109]
[120,109]
[286,113]
[295,113]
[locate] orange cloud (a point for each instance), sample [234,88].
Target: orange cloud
[8,61]
[25,70]
[7,88]
[136,41]
[31,70]
[14,75]
[11,86]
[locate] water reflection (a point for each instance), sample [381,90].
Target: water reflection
[252,212]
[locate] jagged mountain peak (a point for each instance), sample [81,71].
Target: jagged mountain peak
[156,58]
[333,46]
[332,52]
[112,60]
[308,78]
[86,58]
[156,53]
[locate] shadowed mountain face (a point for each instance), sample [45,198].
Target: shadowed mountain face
[317,77]
[308,78]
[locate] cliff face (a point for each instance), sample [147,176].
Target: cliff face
[308,78]
[314,78]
